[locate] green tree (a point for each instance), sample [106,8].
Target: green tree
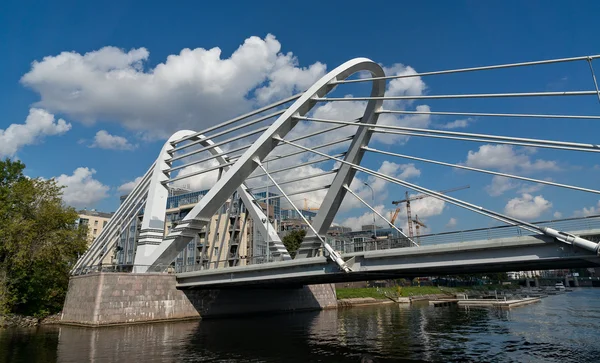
[293,240]
[39,241]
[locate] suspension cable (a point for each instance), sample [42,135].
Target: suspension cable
[484,114]
[456,96]
[203,137]
[367,148]
[379,214]
[335,257]
[471,69]
[239,118]
[378,128]
[475,208]
[302,178]
[227,141]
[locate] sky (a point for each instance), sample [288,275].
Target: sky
[89,93]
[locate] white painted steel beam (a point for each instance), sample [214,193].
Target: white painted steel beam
[261,148]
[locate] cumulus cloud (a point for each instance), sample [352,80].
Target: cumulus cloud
[452,223]
[424,208]
[531,188]
[81,189]
[126,188]
[38,124]
[588,211]
[557,215]
[458,124]
[357,222]
[500,185]
[508,158]
[527,206]
[104,140]
[189,90]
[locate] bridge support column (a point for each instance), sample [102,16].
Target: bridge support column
[102,299]
[527,284]
[567,281]
[536,282]
[575,281]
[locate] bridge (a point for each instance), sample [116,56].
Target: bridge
[316,143]
[503,249]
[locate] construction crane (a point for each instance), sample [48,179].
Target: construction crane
[418,226]
[306,207]
[408,199]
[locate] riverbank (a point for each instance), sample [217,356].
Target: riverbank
[384,292]
[414,291]
[20,321]
[348,297]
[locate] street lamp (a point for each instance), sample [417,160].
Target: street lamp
[373,213]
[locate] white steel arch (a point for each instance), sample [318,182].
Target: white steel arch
[246,164]
[155,252]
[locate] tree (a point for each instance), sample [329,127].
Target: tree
[39,242]
[293,240]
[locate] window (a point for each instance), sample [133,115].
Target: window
[85,221]
[95,231]
[104,224]
[95,223]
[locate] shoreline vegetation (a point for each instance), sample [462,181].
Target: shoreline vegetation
[384,293]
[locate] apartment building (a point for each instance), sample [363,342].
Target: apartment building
[95,222]
[229,240]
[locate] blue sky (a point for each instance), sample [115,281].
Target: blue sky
[423,35]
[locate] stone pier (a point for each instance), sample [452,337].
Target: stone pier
[121,298]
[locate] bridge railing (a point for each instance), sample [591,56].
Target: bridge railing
[566,225]
[124,268]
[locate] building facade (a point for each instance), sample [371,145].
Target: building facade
[229,239]
[95,222]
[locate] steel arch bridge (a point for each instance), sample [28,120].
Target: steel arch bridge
[236,154]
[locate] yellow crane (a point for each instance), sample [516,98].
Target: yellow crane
[408,199]
[418,226]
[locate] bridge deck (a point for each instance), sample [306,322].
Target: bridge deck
[503,254]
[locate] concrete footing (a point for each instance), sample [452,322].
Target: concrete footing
[122,298]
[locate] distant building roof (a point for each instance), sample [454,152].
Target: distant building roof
[95,213]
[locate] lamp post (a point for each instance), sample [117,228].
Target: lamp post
[373,213]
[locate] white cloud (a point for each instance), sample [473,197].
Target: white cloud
[126,188]
[500,184]
[189,90]
[81,189]
[557,215]
[507,158]
[104,140]
[527,206]
[531,188]
[416,121]
[586,212]
[199,182]
[366,218]
[458,124]
[424,208]
[38,124]
[452,223]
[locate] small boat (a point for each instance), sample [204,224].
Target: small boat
[559,286]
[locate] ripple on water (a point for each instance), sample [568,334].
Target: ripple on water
[561,328]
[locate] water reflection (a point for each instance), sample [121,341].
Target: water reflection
[559,329]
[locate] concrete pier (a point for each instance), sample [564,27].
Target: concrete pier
[101,299]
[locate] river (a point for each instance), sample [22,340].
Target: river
[561,328]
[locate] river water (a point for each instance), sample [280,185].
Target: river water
[561,328]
